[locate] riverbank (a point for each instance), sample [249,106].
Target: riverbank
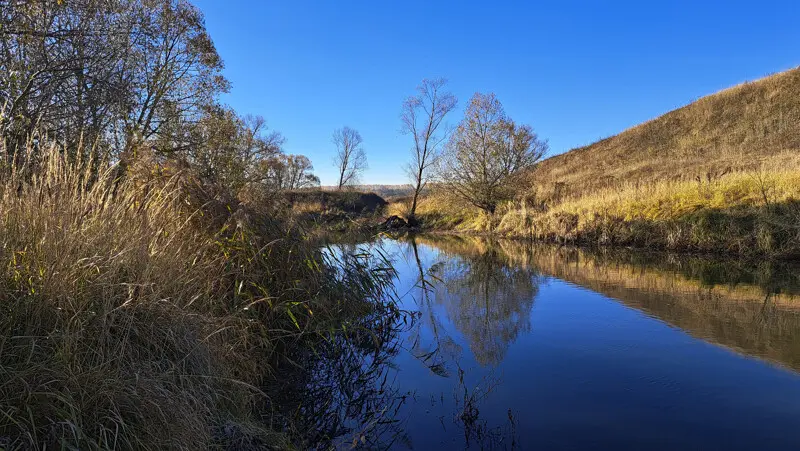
[149,313]
[754,213]
[718,175]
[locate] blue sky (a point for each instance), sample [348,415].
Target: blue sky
[575,71]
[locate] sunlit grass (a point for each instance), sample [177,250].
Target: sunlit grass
[752,212]
[745,212]
[143,313]
[441,211]
[671,200]
[742,128]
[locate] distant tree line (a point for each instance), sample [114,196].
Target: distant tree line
[106,78]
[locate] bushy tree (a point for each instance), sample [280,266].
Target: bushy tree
[288,172]
[299,173]
[105,75]
[229,150]
[487,153]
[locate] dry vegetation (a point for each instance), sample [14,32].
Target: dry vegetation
[740,128]
[145,314]
[719,175]
[441,211]
[325,213]
[743,213]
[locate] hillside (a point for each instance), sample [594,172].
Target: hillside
[740,128]
[720,175]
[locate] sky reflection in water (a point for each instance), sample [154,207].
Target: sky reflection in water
[517,347]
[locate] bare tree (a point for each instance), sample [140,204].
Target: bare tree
[423,117]
[487,153]
[350,159]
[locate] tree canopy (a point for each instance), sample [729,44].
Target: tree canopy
[486,154]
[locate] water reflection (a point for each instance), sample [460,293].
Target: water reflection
[337,386]
[556,350]
[753,308]
[515,345]
[441,350]
[488,299]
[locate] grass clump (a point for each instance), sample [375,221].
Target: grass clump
[101,340]
[147,313]
[344,212]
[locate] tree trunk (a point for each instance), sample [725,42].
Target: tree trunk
[412,215]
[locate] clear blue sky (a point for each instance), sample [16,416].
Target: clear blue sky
[575,71]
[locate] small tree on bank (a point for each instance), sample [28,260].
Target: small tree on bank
[487,153]
[299,173]
[423,116]
[350,159]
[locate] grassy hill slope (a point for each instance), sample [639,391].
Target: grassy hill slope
[740,128]
[720,175]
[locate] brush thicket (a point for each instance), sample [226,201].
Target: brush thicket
[141,312]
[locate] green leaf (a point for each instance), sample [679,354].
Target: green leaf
[294,320]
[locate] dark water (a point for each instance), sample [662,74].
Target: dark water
[521,347]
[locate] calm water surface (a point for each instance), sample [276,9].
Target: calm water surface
[521,347]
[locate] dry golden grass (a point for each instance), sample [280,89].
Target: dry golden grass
[143,315]
[740,128]
[744,213]
[440,211]
[671,200]
[101,343]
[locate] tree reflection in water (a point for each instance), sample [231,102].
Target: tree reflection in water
[479,294]
[487,298]
[443,350]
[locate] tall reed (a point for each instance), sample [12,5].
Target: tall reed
[145,312]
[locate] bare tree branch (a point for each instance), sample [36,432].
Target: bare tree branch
[423,116]
[487,153]
[350,159]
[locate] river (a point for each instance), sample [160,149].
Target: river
[519,346]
